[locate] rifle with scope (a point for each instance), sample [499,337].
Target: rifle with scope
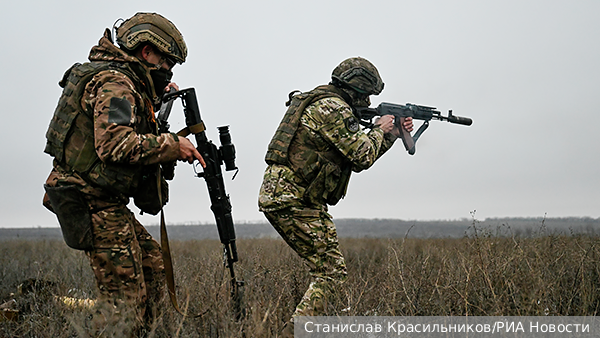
[212,174]
[401,112]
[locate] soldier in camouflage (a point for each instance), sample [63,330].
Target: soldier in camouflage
[316,147]
[106,148]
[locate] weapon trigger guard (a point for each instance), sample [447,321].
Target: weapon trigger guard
[194,165]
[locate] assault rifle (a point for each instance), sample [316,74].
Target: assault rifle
[401,112]
[212,174]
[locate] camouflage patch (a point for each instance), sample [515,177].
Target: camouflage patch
[352,124]
[119,111]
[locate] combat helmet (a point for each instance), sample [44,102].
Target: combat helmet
[155,29]
[358,74]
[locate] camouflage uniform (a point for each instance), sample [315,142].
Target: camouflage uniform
[126,260]
[322,147]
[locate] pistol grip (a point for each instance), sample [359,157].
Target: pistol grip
[409,143]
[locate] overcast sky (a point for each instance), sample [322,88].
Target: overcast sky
[526,72]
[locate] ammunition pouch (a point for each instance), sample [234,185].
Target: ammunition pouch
[73,216]
[341,187]
[147,196]
[117,178]
[327,181]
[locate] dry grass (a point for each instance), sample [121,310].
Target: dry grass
[483,274]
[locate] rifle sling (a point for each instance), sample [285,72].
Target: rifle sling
[195,129]
[166,254]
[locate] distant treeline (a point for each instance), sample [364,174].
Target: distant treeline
[367,228]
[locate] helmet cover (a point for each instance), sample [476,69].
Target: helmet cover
[360,75]
[155,29]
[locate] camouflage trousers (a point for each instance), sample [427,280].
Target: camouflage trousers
[312,234]
[128,266]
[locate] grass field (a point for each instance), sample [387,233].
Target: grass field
[484,273]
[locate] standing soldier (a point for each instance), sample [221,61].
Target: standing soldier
[106,148]
[316,147]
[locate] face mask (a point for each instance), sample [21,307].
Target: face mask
[161,78]
[361,100]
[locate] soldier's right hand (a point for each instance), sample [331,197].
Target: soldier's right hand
[386,123]
[188,152]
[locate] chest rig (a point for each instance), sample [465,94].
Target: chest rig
[324,174]
[70,135]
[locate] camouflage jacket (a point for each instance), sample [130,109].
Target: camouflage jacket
[115,118]
[327,144]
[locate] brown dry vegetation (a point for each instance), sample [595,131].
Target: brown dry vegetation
[481,274]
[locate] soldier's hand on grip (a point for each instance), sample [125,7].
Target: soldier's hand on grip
[406,124]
